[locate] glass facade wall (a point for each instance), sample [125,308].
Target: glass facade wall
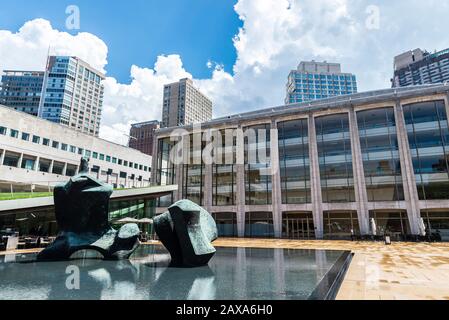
[194,175]
[380,152]
[257,169]
[224,173]
[259,225]
[226,224]
[437,224]
[166,173]
[338,224]
[294,161]
[428,136]
[335,158]
[394,224]
[298,225]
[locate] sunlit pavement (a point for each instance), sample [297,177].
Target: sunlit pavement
[401,271]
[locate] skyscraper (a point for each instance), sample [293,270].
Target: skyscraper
[72,94]
[421,67]
[69,92]
[22,90]
[318,80]
[141,136]
[184,104]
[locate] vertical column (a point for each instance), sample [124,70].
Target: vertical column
[2,156]
[276,180]
[315,180]
[36,164]
[241,195]
[19,165]
[50,169]
[154,161]
[207,187]
[408,174]
[179,181]
[361,194]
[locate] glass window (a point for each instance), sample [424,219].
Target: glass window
[46,142]
[437,224]
[72,149]
[11,159]
[298,225]
[101,156]
[294,162]
[259,225]
[393,224]
[36,139]
[335,158]
[25,136]
[95,155]
[14,133]
[428,136]
[64,147]
[2,130]
[108,158]
[226,224]
[165,170]
[258,165]
[380,152]
[55,144]
[338,225]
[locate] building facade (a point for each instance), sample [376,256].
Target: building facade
[72,94]
[22,90]
[141,136]
[184,104]
[372,163]
[418,67]
[38,154]
[318,80]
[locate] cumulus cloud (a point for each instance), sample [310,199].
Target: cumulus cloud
[276,35]
[36,37]
[140,100]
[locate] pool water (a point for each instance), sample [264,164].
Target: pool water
[233,274]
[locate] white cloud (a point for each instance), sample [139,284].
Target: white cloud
[35,38]
[140,100]
[276,35]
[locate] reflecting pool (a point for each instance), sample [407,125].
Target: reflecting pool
[233,274]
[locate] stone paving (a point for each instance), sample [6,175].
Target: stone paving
[401,271]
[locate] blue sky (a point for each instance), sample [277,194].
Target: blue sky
[138,31]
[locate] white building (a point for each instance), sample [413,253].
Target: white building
[38,154]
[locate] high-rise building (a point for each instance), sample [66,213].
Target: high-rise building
[69,92]
[141,136]
[72,94]
[184,104]
[22,90]
[418,67]
[318,80]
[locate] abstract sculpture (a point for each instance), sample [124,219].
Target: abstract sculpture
[82,214]
[187,231]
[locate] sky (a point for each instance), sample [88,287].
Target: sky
[238,52]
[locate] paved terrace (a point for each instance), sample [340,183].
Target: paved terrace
[402,271]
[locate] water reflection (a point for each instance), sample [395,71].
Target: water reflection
[234,273]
